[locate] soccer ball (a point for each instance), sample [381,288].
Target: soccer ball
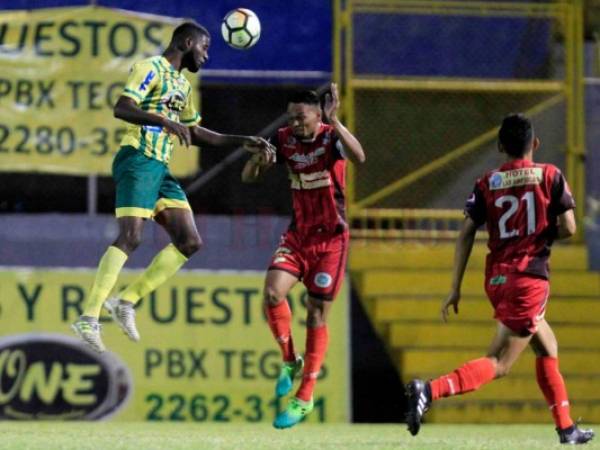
[240,28]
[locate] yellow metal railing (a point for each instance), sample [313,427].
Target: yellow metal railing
[367,218]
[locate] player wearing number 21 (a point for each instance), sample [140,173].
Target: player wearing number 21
[157,106]
[526,206]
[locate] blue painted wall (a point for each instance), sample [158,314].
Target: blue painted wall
[296,34]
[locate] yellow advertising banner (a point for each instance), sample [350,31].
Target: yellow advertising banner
[206,353]
[63,70]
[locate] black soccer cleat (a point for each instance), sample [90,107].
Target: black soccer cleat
[574,435]
[419,400]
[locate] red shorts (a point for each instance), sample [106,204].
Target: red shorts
[318,259]
[519,299]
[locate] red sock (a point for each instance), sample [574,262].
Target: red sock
[553,386]
[280,322]
[316,346]
[467,378]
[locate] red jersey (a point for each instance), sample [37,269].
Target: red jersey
[317,178]
[520,203]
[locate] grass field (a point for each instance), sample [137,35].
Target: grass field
[163,436]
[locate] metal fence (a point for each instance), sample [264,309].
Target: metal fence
[426,84]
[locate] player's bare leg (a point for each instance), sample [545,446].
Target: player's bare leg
[316,345]
[553,387]
[87,326]
[278,284]
[181,227]
[502,354]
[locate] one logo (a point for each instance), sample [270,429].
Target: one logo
[496,181]
[291,140]
[175,101]
[323,280]
[52,376]
[144,84]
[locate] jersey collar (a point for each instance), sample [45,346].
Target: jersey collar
[314,138]
[517,164]
[167,64]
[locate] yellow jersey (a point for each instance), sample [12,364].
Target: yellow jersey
[157,87]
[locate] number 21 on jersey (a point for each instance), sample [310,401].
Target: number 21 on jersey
[514,202]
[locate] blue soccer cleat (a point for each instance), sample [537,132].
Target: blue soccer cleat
[296,411]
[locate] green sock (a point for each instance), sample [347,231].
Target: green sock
[109,267]
[164,265]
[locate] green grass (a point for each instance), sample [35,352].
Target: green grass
[168,436]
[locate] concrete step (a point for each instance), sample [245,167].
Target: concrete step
[416,255]
[421,363]
[453,335]
[437,282]
[393,308]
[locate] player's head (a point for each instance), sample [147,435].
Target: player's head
[516,137]
[304,113]
[192,41]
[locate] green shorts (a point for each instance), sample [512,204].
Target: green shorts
[144,186]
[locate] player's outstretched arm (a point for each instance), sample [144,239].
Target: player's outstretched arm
[126,109]
[464,245]
[566,225]
[352,146]
[253,144]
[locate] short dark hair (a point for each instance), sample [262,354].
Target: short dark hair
[516,134]
[188,30]
[307,97]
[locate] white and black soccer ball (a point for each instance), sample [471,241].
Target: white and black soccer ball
[241,28]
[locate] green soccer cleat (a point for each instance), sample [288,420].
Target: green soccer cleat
[289,370]
[88,330]
[296,411]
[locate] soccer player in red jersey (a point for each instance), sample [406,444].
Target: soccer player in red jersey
[314,247]
[526,206]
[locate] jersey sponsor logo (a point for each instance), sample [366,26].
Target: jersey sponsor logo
[152,128]
[175,101]
[323,280]
[517,177]
[313,180]
[144,84]
[52,376]
[305,160]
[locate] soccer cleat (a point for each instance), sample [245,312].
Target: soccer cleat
[88,330]
[124,314]
[419,401]
[574,435]
[296,411]
[286,376]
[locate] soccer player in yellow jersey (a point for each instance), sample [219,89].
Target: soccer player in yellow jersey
[156,104]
